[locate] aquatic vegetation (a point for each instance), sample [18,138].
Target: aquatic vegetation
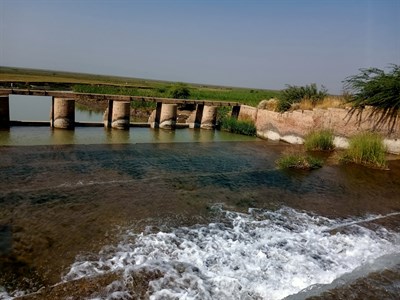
[366,148]
[319,140]
[298,161]
[234,125]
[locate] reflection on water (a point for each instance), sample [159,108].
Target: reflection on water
[84,114]
[22,136]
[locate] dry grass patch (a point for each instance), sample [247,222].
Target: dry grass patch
[327,102]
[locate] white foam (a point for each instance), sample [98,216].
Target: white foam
[260,255]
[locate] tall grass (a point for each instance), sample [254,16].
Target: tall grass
[321,140]
[367,149]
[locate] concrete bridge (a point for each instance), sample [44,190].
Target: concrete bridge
[117,114]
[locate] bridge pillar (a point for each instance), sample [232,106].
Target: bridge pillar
[235,111]
[168,116]
[121,112]
[63,113]
[4,112]
[209,117]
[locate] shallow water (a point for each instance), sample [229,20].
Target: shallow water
[28,136]
[165,220]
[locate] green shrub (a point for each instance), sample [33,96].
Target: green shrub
[179,91]
[234,125]
[367,149]
[299,161]
[319,140]
[295,94]
[373,87]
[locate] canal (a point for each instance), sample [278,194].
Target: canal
[189,214]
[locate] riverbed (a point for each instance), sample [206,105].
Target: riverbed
[192,214]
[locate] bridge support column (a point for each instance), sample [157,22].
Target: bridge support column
[168,116]
[209,117]
[121,112]
[235,111]
[4,112]
[63,113]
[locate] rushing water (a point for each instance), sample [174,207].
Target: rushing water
[189,214]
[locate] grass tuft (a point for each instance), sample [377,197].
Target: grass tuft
[367,149]
[298,161]
[321,140]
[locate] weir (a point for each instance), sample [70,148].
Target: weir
[117,114]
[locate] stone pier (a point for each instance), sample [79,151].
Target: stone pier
[4,112]
[63,113]
[209,117]
[168,116]
[121,112]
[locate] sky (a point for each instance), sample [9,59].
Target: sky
[253,43]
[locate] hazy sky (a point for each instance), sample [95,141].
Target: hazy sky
[260,44]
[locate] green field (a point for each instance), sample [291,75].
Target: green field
[102,84]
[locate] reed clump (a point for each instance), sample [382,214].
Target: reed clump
[366,148]
[321,140]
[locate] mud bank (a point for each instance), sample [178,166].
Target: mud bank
[291,127]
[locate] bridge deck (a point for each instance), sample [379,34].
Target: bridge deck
[102,97]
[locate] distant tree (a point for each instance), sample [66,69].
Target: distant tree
[373,87]
[179,91]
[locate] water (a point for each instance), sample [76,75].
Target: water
[38,108]
[258,255]
[189,214]
[28,136]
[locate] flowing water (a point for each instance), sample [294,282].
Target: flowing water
[189,215]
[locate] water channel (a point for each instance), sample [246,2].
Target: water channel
[190,214]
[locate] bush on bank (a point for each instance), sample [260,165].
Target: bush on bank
[295,94]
